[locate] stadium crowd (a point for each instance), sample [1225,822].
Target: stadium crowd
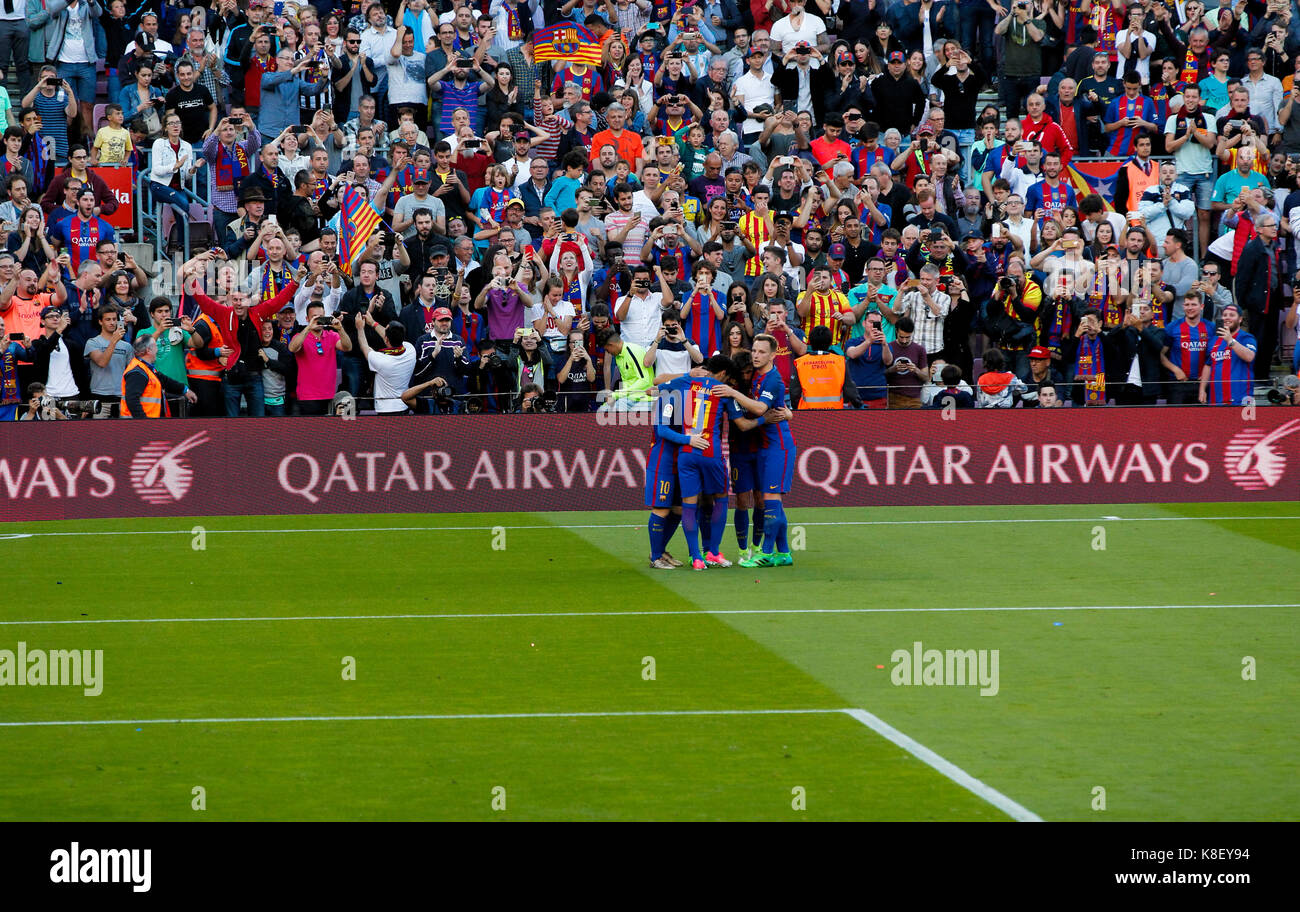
[554,234]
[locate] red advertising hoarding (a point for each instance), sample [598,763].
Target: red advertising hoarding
[121,182]
[74,469]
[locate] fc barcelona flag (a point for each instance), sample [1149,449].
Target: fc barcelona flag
[568,42]
[355,222]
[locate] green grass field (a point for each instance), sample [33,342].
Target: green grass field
[528,652]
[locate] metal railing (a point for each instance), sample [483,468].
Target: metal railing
[149,218]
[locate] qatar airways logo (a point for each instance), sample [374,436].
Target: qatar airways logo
[160,473]
[1031,464]
[1253,459]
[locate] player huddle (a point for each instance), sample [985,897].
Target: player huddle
[687,474]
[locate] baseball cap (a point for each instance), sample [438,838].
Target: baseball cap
[925,129]
[896,57]
[288,306]
[515,202]
[1039,351]
[803,47]
[756,51]
[50,309]
[972,234]
[421,176]
[442,313]
[837,251]
[437,250]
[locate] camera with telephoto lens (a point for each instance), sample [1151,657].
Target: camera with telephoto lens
[1285,391]
[82,407]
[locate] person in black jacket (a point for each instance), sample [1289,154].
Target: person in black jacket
[1258,288]
[900,100]
[847,89]
[796,72]
[1138,339]
[268,178]
[297,213]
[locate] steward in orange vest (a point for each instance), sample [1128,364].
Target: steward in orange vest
[820,379]
[203,367]
[144,390]
[1135,175]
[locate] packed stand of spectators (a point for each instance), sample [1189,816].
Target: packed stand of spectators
[555,235]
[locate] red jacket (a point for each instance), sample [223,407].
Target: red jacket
[227,322]
[1049,135]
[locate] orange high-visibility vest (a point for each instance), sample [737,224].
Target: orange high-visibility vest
[151,400]
[821,381]
[1138,183]
[195,367]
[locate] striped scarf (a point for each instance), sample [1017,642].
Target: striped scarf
[9,375]
[232,165]
[1090,363]
[273,281]
[1061,325]
[34,152]
[514,31]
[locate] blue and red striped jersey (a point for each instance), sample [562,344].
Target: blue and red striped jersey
[1189,345]
[769,389]
[1231,379]
[704,416]
[1121,142]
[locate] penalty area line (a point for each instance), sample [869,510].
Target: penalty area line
[845,522]
[945,767]
[570,614]
[430,717]
[950,770]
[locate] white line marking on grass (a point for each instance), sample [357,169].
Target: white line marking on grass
[435,717]
[882,728]
[958,775]
[570,614]
[862,522]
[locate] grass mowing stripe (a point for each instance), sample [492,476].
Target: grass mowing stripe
[11,536]
[958,775]
[704,612]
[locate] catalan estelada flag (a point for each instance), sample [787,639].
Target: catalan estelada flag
[355,222]
[566,41]
[1099,178]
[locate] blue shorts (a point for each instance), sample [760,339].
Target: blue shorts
[701,474]
[661,489]
[1202,187]
[744,472]
[776,470]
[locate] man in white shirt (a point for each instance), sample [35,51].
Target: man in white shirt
[797,26]
[639,312]
[392,367]
[60,383]
[1134,46]
[754,90]
[406,85]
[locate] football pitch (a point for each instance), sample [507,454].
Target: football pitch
[531,666]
